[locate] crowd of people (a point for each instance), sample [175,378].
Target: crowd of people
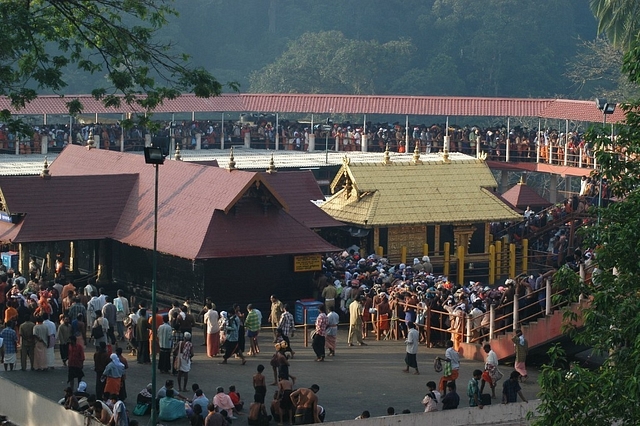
[546,145]
[370,294]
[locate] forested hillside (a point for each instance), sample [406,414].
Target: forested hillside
[416,47]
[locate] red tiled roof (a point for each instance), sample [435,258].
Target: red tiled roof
[65,207]
[189,195]
[251,232]
[560,109]
[522,195]
[298,189]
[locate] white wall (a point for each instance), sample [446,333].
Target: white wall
[26,408]
[498,414]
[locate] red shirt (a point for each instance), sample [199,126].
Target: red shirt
[76,356]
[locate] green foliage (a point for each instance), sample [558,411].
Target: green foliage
[618,19]
[109,38]
[328,62]
[609,394]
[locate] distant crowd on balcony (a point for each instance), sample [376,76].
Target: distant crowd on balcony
[529,145]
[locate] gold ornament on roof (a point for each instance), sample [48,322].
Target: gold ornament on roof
[387,156]
[45,174]
[177,156]
[232,161]
[90,140]
[272,166]
[416,155]
[482,156]
[345,160]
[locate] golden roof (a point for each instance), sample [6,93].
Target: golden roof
[403,193]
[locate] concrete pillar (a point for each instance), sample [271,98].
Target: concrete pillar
[147,140]
[247,140]
[567,186]
[44,146]
[96,141]
[553,189]
[122,141]
[312,142]
[504,181]
[198,141]
[17,145]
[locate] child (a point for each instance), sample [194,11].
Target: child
[235,398]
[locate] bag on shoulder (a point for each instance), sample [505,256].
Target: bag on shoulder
[97,332]
[447,368]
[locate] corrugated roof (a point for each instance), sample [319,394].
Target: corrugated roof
[298,189]
[340,104]
[64,207]
[189,194]
[428,193]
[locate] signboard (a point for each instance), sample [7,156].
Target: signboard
[311,262]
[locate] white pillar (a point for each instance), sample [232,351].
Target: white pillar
[96,141]
[147,140]
[198,141]
[277,133]
[121,140]
[547,302]
[17,145]
[468,329]
[44,146]
[507,144]
[312,142]
[406,134]
[363,140]
[580,158]
[516,314]
[222,132]
[247,139]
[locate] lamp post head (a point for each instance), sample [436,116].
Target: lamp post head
[153,155]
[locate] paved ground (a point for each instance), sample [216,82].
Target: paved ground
[358,378]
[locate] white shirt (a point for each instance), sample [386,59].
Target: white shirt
[454,357]
[211,318]
[412,341]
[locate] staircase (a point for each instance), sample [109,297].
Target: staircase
[540,332]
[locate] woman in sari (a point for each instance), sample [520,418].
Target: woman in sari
[41,334]
[112,375]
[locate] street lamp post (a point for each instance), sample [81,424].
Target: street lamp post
[154,155]
[607,108]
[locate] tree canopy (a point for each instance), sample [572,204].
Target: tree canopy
[43,41]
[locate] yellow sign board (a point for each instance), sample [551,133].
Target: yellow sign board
[311,262]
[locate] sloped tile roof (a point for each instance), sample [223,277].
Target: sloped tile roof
[339,104]
[64,207]
[428,193]
[189,196]
[521,195]
[298,189]
[251,232]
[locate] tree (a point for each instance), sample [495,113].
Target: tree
[618,19]
[597,70]
[41,39]
[328,62]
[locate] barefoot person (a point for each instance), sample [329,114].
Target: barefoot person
[413,338]
[306,403]
[521,348]
[491,372]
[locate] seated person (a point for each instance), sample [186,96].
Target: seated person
[258,412]
[82,391]
[70,400]
[200,399]
[224,402]
[144,396]
[171,408]
[196,419]
[92,403]
[235,398]
[100,413]
[451,400]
